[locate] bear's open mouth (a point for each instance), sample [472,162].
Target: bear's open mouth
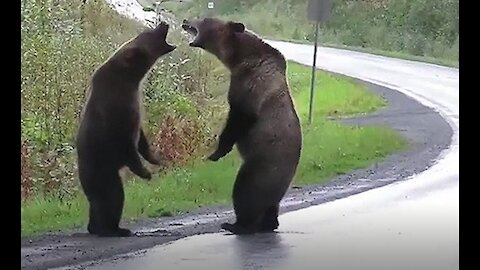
[163,28]
[190,29]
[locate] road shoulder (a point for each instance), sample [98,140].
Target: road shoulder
[428,135]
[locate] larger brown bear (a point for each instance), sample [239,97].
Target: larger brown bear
[110,135]
[262,121]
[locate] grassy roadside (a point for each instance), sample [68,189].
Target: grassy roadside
[393,54]
[332,149]
[179,93]
[420,30]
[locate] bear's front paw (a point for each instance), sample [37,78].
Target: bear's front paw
[215,156]
[148,176]
[145,174]
[155,159]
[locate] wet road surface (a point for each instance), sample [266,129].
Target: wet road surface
[407,225]
[378,229]
[411,224]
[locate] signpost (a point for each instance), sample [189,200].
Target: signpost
[157,11]
[210,8]
[318,11]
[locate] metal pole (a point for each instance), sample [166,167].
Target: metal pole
[157,4]
[211,8]
[312,86]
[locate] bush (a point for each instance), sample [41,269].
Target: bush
[418,27]
[63,42]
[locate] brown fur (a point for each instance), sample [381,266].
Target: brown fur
[262,121]
[110,136]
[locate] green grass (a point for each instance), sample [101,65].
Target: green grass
[400,55]
[394,54]
[252,18]
[330,149]
[421,30]
[334,94]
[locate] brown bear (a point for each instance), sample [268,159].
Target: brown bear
[110,136]
[262,121]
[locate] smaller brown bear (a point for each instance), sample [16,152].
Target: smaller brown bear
[110,135]
[262,121]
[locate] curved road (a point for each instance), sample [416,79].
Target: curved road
[412,224]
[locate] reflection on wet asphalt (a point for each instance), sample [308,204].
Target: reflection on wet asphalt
[378,229]
[221,251]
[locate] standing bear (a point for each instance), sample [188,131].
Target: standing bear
[262,121]
[110,135]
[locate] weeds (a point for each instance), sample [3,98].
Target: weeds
[63,42]
[415,27]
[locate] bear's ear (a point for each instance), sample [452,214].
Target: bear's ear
[237,27]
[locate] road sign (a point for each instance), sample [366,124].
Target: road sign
[319,10]
[312,83]
[211,5]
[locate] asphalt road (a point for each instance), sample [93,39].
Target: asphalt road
[413,224]
[409,224]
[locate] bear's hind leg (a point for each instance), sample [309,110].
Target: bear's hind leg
[106,209]
[101,224]
[93,213]
[270,220]
[248,220]
[248,201]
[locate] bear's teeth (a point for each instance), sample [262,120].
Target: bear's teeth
[191,37]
